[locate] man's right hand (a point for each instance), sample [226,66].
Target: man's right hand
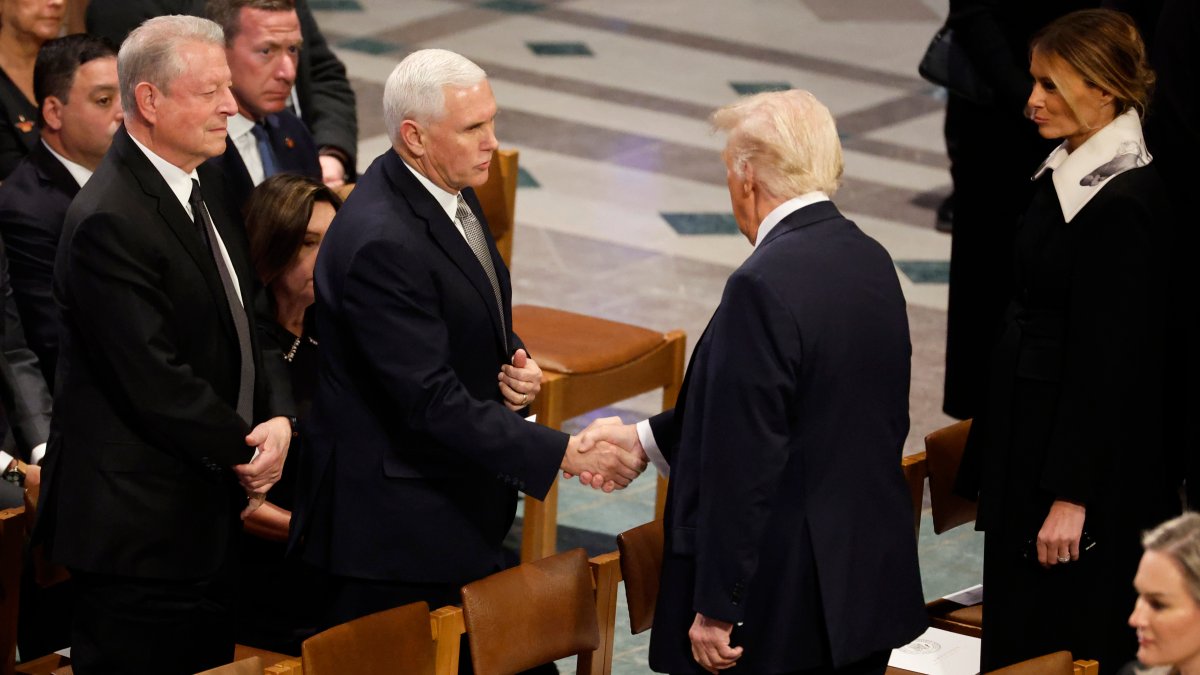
[608,431]
[608,466]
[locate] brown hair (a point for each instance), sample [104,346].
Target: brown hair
[1104,46]
[277,216]
[227,13]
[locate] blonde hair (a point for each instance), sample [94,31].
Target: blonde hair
[1180,539]
[788,136]
[1104,47]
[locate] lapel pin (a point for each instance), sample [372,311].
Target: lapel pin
[289,142]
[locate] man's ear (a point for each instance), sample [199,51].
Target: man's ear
[747,179]
[147,97]
[52,112]
[412,136]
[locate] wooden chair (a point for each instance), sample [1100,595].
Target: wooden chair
[641,564]
[943,451]
[533,614]
[916,469]
[250,666]
[587,362]
[394,640]
[1058,663]
[12,538]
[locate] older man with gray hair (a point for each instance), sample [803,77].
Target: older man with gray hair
[416,448]
[165,419]
[788,529]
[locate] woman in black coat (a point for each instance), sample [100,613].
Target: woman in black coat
[1067,457]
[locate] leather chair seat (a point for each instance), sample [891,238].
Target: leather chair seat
[570,343]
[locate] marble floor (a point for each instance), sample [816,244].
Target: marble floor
[623,211]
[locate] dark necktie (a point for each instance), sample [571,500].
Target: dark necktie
[475,239]
[265,151]
[241,325]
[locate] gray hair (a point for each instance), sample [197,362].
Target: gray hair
[415,89]
[790,139]
[1180,539]
[151,53]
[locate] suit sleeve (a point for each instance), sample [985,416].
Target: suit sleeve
[744,436]
[327,101]
[392,309]
[118,304]
[1112,310]
[24,390]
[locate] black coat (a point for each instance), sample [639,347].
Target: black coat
[787,507]
[1075,412]
[294,152]
[412,463]
[137,479]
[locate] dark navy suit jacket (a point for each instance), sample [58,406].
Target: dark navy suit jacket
[295,152]
[787,507]
[412,463]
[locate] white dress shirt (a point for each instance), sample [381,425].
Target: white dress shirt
[448,202]
[80,173]
[241,130]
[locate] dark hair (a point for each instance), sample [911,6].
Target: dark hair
[277,216]
[227,13]
[57,61]
[1104,46]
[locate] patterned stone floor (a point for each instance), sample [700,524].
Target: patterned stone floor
[623,211]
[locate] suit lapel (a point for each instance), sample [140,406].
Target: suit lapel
[176,218]
[51,171]
[445,234]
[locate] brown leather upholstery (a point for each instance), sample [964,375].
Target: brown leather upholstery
[915,469]
[394,640]
[250,666]
[531,614]
[570,343]
[12,536]
[1058,663]
[641,565]
[944,451]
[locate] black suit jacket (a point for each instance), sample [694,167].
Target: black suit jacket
[33,204]
[412,463]
[137,478]
[787,507]
[326,99]
[294,153]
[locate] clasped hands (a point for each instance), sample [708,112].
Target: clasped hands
[271,438]
[607,455]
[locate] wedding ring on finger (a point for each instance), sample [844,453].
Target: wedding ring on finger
[524,399]
[1061,559]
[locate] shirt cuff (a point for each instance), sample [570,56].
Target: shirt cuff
[37,454]
[646,437]
[5,460]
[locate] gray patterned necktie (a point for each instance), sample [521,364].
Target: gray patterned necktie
[475,239]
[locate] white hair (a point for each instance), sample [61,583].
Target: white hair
[151,53]
[416,88]
[790,139]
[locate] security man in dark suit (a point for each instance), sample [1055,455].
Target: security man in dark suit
[166,424]
[262,45]
[788,529]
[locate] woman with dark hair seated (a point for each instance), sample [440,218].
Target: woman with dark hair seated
[286,219]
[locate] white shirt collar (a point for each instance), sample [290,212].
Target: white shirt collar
[240,125]
[241,132]
[79,172]
[448,201]
[784,210]
[1080,175]
[177,179]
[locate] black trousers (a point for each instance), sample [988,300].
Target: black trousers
[129,626]
[875,664]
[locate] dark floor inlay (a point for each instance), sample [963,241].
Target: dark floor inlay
[369,45]
[526,179]
[748,88]
[925,271]
[513,6]
[559,48]
[701,223]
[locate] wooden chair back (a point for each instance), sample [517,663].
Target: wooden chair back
[12,538]
[915,468]
[498,196]
[250,666]
[531,614]
[944,451]
[1058,663]
[641,565]
[394,640]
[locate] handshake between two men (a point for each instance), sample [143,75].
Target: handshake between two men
[607,455]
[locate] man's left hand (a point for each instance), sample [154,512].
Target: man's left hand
[333,173]
[272,439]
[521,381]
[710,644]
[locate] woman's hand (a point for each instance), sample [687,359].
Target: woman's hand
[1058,540]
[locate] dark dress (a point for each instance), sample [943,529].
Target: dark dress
[18,125]
[1075,412]
[280,595]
